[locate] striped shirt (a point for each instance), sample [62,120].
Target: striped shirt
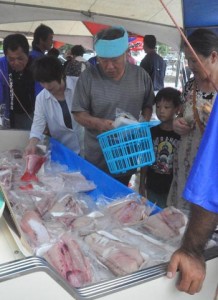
[100,96]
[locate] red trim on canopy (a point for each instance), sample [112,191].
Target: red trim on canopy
[94,27]
[57,44]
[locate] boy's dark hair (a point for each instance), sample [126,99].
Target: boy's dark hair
[150,41]
[77,50]
[14,41]
[41,32]
[47,69]
[169,94]
[54,52]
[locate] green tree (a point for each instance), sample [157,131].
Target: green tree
[163,49]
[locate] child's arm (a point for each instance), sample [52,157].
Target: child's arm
[143,178]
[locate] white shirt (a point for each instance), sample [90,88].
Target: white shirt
[49,112]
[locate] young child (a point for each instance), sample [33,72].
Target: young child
[155,180]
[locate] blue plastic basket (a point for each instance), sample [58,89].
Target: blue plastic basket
[128,147]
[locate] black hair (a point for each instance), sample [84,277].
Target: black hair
[47,69]
[111,33]
[203,41]
[150,41]
[53,51]
[169,94]
[77,50]
[14,41]
[41,33]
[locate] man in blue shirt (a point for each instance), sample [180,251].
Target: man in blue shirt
[153,63]
[17,86]
[202,191]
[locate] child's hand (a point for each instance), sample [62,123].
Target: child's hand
[180,126]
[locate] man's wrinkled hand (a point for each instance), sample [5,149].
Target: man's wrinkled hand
[192,271]
[105,125]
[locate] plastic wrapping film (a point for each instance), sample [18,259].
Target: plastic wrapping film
[89,221]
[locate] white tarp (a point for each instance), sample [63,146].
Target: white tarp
[72,32]
[137,16]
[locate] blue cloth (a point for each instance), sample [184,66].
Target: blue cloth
[106,186]
[202,184]
[36,53]
[112,48]
[4,89]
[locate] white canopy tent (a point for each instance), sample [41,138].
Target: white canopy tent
[72,32]
[66,16]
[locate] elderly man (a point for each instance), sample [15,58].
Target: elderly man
[109,85]
[17,87]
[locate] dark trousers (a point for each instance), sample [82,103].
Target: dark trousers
[21,121]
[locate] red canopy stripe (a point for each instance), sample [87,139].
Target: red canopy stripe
[94,27]
[57,44]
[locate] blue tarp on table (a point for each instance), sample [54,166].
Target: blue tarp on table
[106,185]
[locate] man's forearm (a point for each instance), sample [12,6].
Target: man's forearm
[200,229]
[88,121]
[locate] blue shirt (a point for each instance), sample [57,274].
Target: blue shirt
[155,65]
[36,53]
[5,100]
[202,184]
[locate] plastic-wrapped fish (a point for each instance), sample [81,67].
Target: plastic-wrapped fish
[33,165]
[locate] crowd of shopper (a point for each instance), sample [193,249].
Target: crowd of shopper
[37,93]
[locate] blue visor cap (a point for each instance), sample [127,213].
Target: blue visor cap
[112,48]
